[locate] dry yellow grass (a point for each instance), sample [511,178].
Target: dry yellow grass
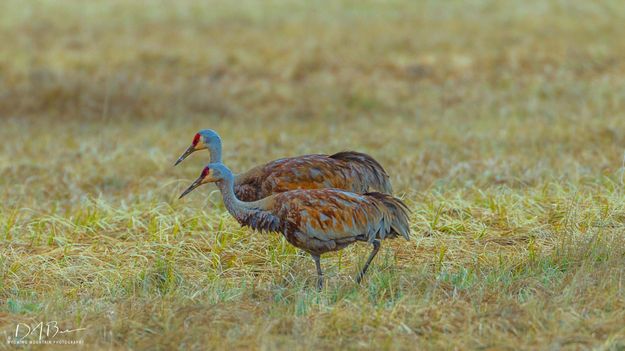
[502,125]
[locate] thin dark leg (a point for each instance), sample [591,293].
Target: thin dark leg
[376,247]
[317,259]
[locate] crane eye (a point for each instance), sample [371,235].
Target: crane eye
[196,139]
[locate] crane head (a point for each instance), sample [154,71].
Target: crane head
[196,144]
[204,139]
[214,172]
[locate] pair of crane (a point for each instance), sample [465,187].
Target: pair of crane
[320,203]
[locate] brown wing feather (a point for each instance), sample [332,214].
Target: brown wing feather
[366,170]
[247,192]
[335,215]
[349,171]
[247,186]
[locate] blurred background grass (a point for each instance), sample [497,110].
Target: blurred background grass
[500,123]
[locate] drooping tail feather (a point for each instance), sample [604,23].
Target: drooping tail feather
[398,213]
[370,170]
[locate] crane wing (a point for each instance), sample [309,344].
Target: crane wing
[332,214]
[304,172]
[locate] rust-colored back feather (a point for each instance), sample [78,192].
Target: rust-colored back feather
[367,169]
[324,220]
[350,171]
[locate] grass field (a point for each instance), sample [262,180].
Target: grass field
[501,125]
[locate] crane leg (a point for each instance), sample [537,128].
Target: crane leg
[376,248]
[317,259]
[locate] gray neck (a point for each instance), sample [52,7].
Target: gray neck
[215,150]
[237,208]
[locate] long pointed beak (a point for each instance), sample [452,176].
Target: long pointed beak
[188,152]
[195,184]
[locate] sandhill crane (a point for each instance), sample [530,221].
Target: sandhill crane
[318,220]
[349,170]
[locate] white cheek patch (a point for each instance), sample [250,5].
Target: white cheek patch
[200,145]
